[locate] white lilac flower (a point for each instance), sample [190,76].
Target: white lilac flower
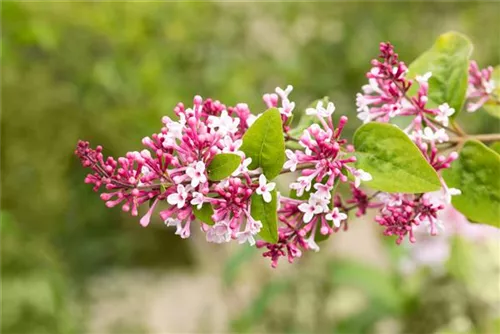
[336,217]
[265,188]
[360,175]
[311,208]
[197,200]
[444,111]
[243,167]
[197,173]
[224,124]
[320,111]
[292,161]
[178,198]
[423,78]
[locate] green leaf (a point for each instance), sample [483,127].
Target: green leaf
[222,166]
[264,143]
[204,214]
[492,106]
[448,60]
[475,173]
[267,214]
[393,160]
[496,146]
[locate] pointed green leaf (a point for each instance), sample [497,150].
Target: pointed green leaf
[204,214]
[268,216]
[448,60]
[475,173]
[492,106]
[264,143]
[393,160]
[222,166]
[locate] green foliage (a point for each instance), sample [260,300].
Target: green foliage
[392,159]
[378,285]
[267,214]
[493,105]
[205,213]
[475,173]
[236,262]
[264,143]
[36,293]
[496,146]
[222,166]
[448,60]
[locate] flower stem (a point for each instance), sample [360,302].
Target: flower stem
[483,137]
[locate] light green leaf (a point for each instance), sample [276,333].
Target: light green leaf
[222,166]
[492,106]
[267,214]
[204,214]
[264,143]
[475,173]
[393,160]
[448,60]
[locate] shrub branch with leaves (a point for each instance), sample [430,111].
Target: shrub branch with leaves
[213,166]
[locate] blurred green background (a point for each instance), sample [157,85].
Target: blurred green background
[107,73]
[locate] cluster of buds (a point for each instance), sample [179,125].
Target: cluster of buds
[481,86]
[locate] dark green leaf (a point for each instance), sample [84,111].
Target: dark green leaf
[268,216]
[204,214]
[222,166]
[475,173]
[448,60]
[265,144]
[393,160]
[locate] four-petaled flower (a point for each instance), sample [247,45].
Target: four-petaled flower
[360,175]
[197,200]
[321,111]
[178,198]
[197,173]
[311,208]
[439,136]
[423,78]
[265,188]
[243,167]
[336,216]
[292,161]
[444,112]
[224,123]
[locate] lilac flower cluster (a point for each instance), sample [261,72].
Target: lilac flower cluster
[173,171]
[387,95]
